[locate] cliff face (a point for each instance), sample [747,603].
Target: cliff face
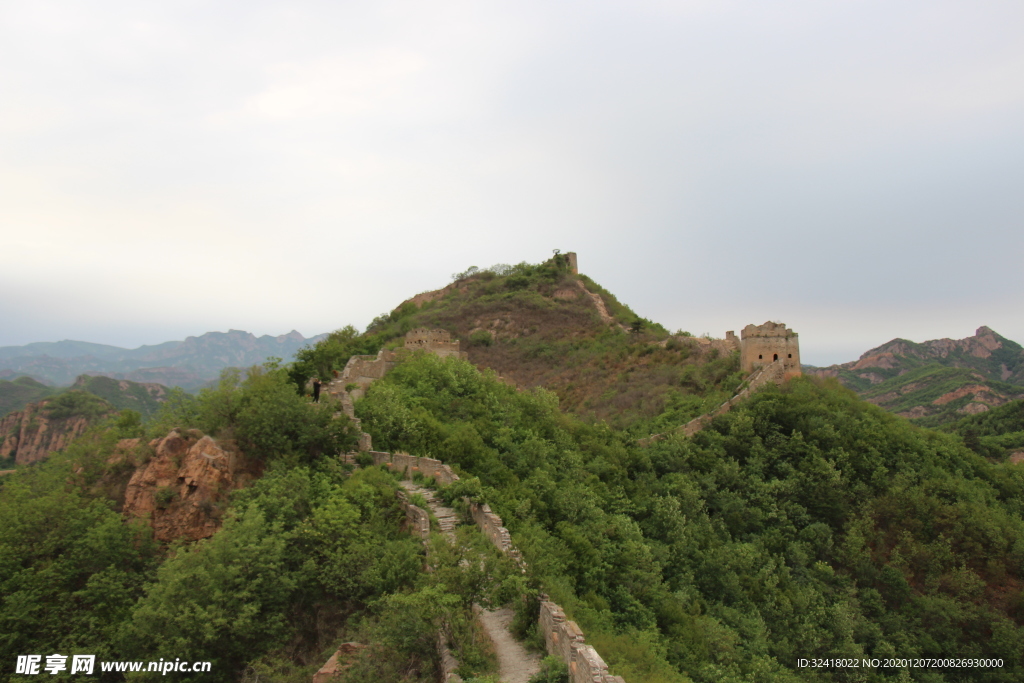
[182,487]
[31,434]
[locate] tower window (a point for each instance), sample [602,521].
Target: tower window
[759,356]
[790,355]
[775,357]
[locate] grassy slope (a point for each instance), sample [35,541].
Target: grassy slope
[123,394]
[515,325]
[17,393]
[995,434]
[922,387]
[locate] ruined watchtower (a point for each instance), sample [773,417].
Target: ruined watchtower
[438,342]
[762,345]
[571,260]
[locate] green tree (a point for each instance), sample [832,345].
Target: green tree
[220,601]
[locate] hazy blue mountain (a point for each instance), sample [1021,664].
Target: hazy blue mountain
[189,364]
[63,349]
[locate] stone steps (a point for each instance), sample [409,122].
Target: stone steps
[447,518]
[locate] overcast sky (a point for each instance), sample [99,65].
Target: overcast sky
[853,169]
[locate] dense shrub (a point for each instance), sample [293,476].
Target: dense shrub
[76,403]
[264,413]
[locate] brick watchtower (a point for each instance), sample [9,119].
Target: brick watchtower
[761,345]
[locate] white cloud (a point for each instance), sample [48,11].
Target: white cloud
[359,86]
[276,165]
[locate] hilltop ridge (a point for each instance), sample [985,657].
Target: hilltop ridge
[937,381]
[547,325]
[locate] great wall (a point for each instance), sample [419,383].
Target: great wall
[562,637]
[770,352]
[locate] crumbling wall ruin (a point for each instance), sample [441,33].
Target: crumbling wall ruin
[361,371]
[438,342]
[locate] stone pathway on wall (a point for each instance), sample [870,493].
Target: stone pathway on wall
[769,373]
[515,663]
[447,518]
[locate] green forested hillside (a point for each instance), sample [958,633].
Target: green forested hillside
[144,399]
[806,523]
[995,434]
[934,394]
[17,393]
[302,549]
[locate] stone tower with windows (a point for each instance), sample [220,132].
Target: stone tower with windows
[762,345]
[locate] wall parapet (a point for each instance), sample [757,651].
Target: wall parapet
[564,639]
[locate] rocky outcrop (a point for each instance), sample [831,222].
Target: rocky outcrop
[182,486]
[29,435]
[338,662]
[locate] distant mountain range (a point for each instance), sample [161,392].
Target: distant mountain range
[189,364]
[937,381]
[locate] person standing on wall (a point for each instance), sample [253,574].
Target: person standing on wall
[316,390]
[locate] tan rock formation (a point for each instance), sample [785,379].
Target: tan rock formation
[338,662]
[979,391]
[181,486]
[29,435]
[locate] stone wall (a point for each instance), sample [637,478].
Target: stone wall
[562,638]
[362,371]
[773,372]
[490,524]
[769,352]
[417,519]
[411,464]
